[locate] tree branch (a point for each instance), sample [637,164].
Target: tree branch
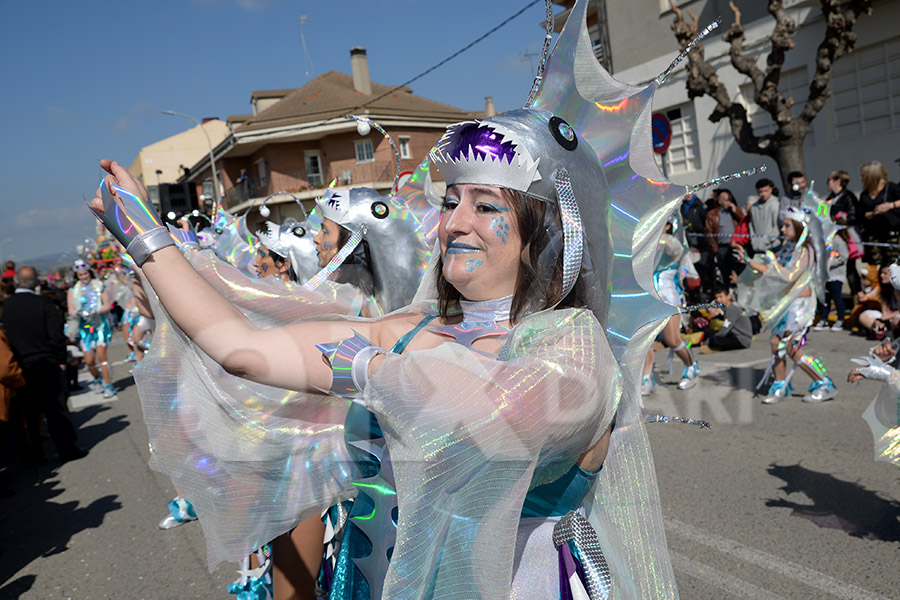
[839,40]
[703,80]
[735,37]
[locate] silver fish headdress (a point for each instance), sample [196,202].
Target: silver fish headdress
[394,234]
[292,240]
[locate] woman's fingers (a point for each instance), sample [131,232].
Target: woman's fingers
[854,376]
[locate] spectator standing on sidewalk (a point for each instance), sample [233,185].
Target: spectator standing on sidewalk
[837,276]
[720,223]
[794,195]
[879,205]
[840,198]
[765,222]
[35,329]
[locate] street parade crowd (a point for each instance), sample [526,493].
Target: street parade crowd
[380,398]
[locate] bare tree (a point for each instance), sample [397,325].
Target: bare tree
[785,144]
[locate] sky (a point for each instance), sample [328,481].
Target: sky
[87,80]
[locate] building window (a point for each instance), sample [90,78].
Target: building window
[405,151]
[865,88]
[665,6]
[683,155]
[313,168]
[364,151]
[153,191]
[262,174]
[207,188]
[793,84]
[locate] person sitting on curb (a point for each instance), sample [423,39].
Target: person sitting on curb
[736,331]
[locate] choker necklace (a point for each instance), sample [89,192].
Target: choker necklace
[479,321]
[486,311]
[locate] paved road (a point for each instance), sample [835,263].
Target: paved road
[87,529]
[778,501]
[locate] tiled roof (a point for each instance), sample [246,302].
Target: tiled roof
[332,95]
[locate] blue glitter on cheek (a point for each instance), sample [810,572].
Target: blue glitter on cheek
[327,245]
[472,264]
[264,268]
[500,227]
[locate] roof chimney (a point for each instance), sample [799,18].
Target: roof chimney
[359,62]
[489,106]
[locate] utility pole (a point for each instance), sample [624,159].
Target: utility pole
[307,61]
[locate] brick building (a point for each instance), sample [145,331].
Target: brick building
[297,140]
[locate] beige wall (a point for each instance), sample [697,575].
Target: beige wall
[167,155]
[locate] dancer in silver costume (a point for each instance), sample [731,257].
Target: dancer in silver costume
[785,293]
[89,300]
[475,420]
[672,267]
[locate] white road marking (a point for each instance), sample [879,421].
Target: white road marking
[745,365]
[814,579]
[737,588]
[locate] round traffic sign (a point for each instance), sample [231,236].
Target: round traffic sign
[662,132]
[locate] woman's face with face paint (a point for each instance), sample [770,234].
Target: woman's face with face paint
[327,241]
[266,264]
[480,245]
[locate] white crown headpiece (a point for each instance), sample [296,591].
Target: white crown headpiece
[512,168]
[797,214]
[275,237]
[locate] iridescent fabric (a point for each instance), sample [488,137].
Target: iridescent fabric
[466,436]
[883,417]
[270,302]
[233,242]
[254,460]
[773,292]
[667,275]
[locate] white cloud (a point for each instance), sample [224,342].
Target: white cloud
[60,116]
[249,5]
[253,4]
[139,108]
[123,124]
[50,219]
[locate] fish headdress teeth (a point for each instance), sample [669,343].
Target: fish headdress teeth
[474,152]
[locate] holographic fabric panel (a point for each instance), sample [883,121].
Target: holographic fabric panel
[254,460]
[883,417]
[772,292]
[466,436]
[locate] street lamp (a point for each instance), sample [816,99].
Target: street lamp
[212,159]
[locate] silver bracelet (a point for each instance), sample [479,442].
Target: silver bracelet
[349,361]
[147,243]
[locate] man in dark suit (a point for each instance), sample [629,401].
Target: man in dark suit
[35,329]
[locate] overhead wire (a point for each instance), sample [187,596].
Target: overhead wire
[346,111]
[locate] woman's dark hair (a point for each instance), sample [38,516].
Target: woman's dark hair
[534,219]
[799,227]
[843,232]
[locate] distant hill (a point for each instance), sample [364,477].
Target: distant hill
[50,262]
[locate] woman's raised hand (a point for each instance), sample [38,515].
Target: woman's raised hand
[118,176]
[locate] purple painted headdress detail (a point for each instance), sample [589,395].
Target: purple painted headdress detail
[473,152]
[484,141]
